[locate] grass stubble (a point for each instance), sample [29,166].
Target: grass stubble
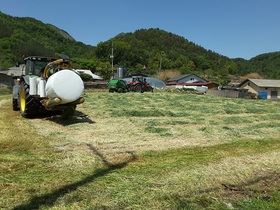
[133,151]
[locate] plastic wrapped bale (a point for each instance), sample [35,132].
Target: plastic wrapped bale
[66,85]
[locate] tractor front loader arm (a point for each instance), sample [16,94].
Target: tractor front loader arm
[63,63]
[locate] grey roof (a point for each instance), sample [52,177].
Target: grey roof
[266,82]
[177,78]
[154,82]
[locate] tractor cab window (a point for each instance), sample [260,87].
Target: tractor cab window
[29,67]
[34,67]
[39,65]
[137,79]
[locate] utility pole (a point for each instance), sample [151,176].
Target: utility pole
[112,57]
[160,62]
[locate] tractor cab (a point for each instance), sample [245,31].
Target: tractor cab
[35,65]
[45,66]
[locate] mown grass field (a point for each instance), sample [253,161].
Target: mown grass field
[143,151]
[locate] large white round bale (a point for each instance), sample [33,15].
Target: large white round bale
[66,85]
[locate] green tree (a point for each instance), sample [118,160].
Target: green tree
[83,63]
[105,70]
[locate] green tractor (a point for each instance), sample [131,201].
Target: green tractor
[117,85]
[48,86]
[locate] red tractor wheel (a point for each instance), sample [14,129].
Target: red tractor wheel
[138,88]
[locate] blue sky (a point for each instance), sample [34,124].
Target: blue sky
[234,28]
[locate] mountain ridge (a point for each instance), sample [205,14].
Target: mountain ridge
[62,32]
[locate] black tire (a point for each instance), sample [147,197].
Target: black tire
[120,90]
[149,89]
[131,88]
[15,104]
[68,112]
[138,88]
[28,105]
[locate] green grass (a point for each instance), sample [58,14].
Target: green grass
[5,90]
[143,151]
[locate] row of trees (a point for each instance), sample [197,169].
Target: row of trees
[148,50]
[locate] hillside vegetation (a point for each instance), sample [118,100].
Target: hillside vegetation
[149,50]
[143,151]
[27,36]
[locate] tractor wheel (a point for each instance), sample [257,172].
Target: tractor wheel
[120,90]
[138,88]
[15,104]
[130,88]
[29,107]
[68,112]
[149,89]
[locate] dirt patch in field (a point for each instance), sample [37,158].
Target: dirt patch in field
[263,184]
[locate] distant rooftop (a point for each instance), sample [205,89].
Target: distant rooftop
[265,82]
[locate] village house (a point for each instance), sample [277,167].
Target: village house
[263,88]
[190,80]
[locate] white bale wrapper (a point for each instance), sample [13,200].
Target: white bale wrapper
[66,85]
[33,86]
[41,87]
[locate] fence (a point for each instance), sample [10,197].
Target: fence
[228,93]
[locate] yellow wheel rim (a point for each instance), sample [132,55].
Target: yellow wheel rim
[22,100]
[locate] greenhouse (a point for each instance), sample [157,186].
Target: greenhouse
[154,82]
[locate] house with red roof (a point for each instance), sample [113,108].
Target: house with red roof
[190,80]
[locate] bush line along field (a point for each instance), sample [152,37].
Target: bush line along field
[143,151]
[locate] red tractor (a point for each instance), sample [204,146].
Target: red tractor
[139,84]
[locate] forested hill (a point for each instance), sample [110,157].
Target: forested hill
[267,64]
[154,49]
[150,46]
[28,36]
